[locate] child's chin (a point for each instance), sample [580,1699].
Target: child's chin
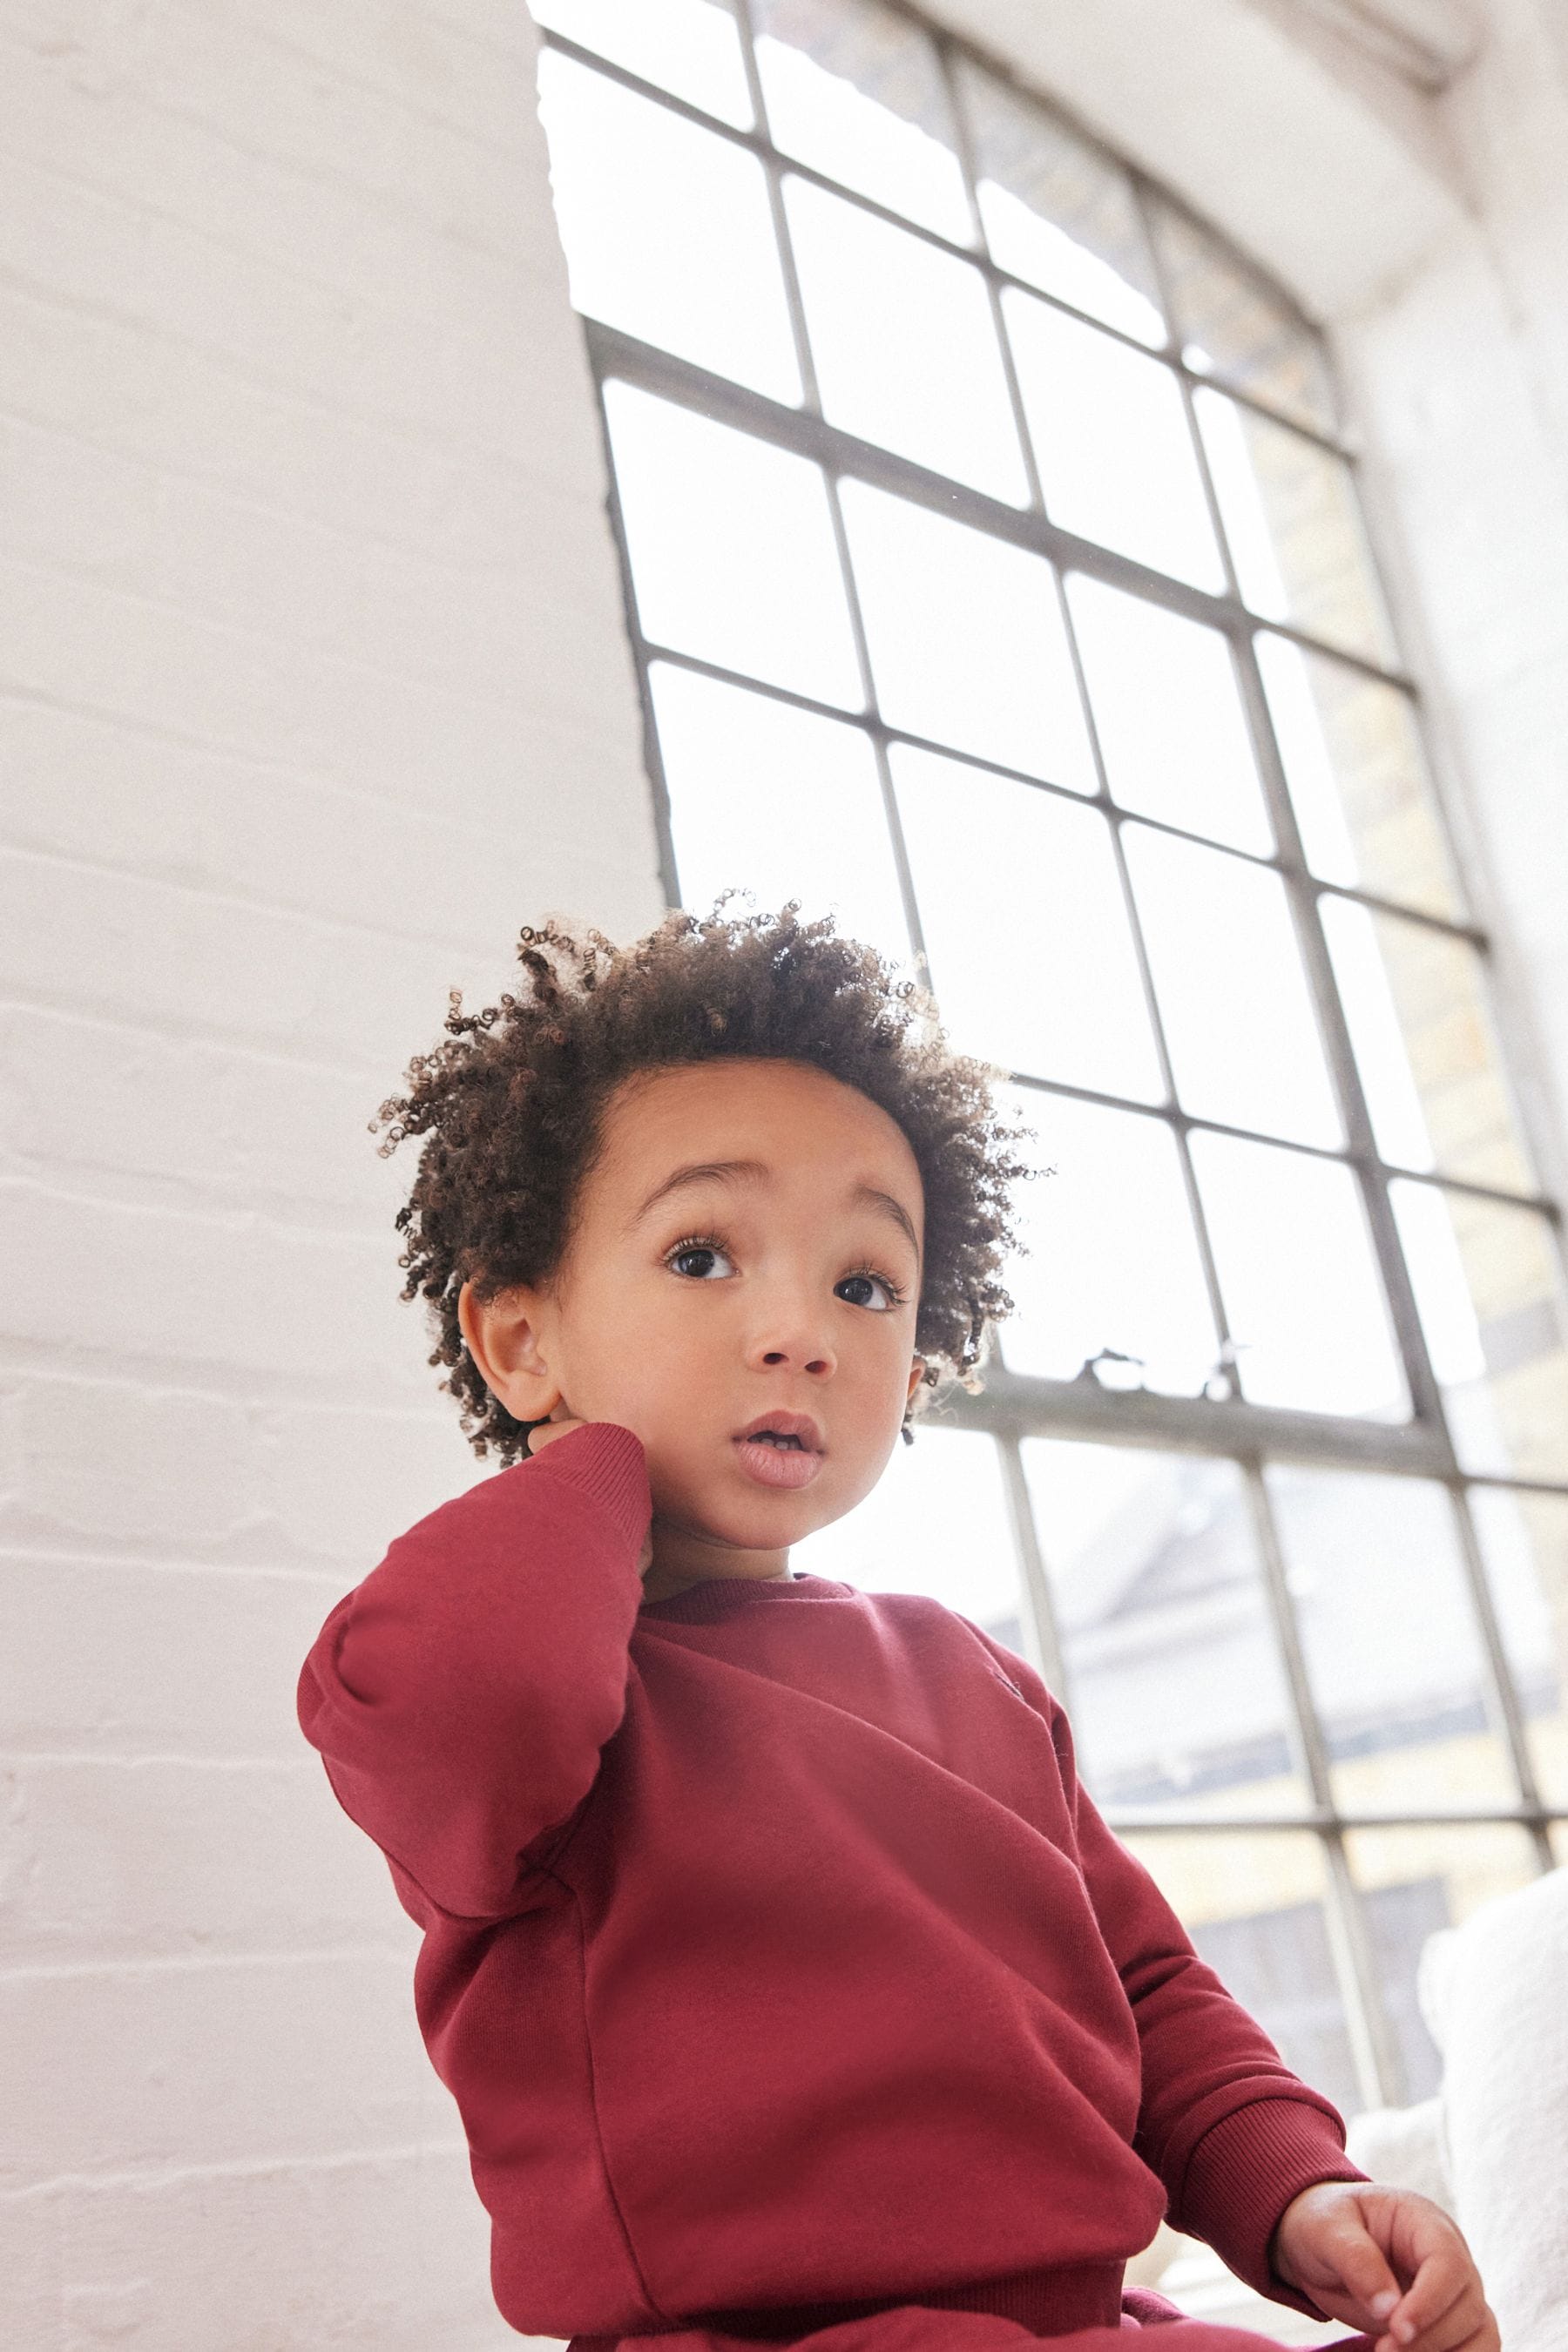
[763,1517]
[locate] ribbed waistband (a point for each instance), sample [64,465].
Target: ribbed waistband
[1048,2303]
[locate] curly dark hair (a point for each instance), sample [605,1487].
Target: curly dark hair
[511,1109]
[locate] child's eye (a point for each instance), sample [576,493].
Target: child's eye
[894,1296]
[695,1248]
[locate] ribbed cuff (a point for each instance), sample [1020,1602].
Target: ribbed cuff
[1243,2172]
[606,1462]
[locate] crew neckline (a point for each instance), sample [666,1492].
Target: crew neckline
[717,1596]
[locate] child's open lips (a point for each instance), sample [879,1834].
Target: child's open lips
[781,1449]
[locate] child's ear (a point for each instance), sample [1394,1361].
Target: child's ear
[916,1375]
[505,1337]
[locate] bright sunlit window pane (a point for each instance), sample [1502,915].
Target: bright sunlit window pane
[904,343]
[1294,525]
[689,47]
[1232,994]
[1414,1883]
[1047,982]
[936,1522]
[1058,212]
[1112,1262]
[1111,442]
[733,551]
[1489,1289]
[1178,1697]
[856,92]
[1405,1721]
[1416,1008]
[1358,781]
[1300,1285]
[1235,327]
[967,642]
[1524,1542]
[1171,730]
[777,801]
[667,229]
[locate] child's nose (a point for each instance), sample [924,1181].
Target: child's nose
[794,1332]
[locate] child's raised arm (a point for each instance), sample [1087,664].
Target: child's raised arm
[460,1695]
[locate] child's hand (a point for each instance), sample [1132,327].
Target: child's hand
[1384,2259]
[560,1424]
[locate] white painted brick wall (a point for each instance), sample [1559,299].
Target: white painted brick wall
[313,687]
[1460,376]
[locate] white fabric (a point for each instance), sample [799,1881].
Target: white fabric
[1403,2146]
[1494,1997]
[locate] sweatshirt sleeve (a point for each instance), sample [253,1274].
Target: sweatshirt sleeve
[460,1695]
[1232,2133]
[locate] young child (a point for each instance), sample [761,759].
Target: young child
[788,1982]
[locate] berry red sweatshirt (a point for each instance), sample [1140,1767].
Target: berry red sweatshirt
[773,1954]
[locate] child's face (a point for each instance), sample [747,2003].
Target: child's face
[782,1296]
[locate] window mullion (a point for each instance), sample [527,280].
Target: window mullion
[1183,383]
[653,753]
[1501,1695]
[993,295]
[1373,2048]
[774,174]
[1301,895]
[1039,1603]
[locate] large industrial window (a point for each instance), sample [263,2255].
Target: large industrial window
[997,576]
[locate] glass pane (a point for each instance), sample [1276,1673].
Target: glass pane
[967,642]
[1166,708]
[1111,442]
[1415,1883]
[1413,1000]
[905,344]
[1058,212]
[1294,525]
[1407,1719]
[1235,327]
[1238,1020]
[1489,1286]
[1178,1697]
[1255,1906]
[1302,1294]
[733,552]
[1113,1259]
[936,1522]
[689,47]
[1357,781]
[1524,1542]
[778,800]
[856,92]
[1031,954]
[667,229]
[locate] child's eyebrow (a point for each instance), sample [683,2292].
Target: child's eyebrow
[730,1171]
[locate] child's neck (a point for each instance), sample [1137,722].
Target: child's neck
[663,1583]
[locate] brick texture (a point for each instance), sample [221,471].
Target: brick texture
[313,687]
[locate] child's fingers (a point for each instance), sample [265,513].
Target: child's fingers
[1438,2326]
[1363,2270]
[1469,2323]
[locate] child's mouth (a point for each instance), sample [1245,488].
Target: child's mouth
[775,1461]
